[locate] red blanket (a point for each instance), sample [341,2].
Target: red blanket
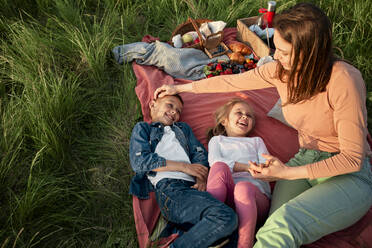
[280,140]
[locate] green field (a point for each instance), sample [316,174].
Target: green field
[67,108]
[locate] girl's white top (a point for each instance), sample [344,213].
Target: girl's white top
[239,149]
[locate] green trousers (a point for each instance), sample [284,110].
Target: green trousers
[302,211]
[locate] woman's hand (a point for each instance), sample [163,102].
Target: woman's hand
[274,169]
[165,90]
[170,89]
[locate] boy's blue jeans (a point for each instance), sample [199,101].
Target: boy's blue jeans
[210,219]
[302,211]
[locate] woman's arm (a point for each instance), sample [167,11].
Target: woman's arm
[347,97]
[258,78]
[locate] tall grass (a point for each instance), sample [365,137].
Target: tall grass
[67,108]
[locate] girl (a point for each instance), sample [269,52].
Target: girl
[229,181]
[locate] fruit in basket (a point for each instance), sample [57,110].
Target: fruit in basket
[187,44]
[218,67]
[228,71]
[186,38]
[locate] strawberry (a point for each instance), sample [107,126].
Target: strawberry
[219,67]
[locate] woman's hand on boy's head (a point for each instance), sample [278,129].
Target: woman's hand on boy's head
[165,90]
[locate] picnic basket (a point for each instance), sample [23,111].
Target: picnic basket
[245,35]
[210,42]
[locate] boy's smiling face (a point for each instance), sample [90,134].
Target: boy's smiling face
[166,110]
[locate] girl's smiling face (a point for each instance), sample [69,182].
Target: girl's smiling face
[283,51]
[240,120]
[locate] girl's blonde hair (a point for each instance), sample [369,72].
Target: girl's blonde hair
[222,113]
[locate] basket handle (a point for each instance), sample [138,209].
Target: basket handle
[197,31]
[213,40]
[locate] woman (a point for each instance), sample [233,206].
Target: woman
[326,186]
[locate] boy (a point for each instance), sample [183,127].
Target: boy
[167,158]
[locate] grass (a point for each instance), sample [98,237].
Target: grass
[67,108]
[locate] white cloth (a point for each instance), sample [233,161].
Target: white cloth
[170,148]
[262,32]
[264,60]
[177,41]
[208,28]
[239,149]
[216,26]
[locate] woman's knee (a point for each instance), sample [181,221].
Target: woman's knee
[291,226]
[281,229]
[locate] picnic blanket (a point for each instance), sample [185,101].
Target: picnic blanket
[280,139]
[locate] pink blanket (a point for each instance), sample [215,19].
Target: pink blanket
[280,140]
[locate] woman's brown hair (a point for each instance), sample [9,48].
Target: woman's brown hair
[222,113]
[309,31]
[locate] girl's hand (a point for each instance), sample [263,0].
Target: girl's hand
[272,170]
[165,90]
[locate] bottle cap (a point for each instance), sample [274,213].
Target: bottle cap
[271,6]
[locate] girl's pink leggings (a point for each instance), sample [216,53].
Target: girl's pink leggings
[251,205]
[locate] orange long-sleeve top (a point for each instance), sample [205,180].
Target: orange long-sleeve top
[333,121]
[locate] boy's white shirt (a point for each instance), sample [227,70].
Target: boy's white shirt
[239,149]
[170,148]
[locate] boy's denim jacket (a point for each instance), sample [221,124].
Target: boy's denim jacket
[143,159]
